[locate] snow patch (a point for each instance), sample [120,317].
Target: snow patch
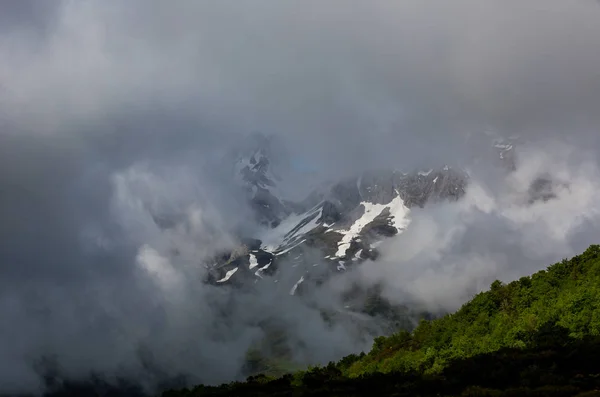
[290,248]
[253,262]
[290,229]
[295,287]
[398,213]
[228,275]
[298,232]
[265,267]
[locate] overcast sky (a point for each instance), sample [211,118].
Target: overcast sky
[108,108]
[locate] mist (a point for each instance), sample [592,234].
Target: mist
[454,250]
[113,114]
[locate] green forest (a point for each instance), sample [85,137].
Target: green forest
[536,336]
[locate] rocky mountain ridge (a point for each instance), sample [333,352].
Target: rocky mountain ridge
[341,224]
[335,227]
[338,225]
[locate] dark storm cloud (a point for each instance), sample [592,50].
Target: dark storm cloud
[33,15]
[112,110]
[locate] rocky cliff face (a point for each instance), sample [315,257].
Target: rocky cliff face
[335,227]
[340,224]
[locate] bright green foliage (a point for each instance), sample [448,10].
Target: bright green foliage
[567,293]
[538,336]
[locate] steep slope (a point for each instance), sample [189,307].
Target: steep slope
[341,227]
[566,294]
[340,224]
[538,336]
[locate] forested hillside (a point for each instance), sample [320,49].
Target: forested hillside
[537,336]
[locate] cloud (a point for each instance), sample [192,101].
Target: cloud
[115,116]
[127,296]
[415,72]
[454,250]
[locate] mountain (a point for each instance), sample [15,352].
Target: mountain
[333,228]
[338,224]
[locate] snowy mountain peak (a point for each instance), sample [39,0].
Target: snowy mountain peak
[338,227]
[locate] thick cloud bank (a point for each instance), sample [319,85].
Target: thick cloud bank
[499,230]
[116,115]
